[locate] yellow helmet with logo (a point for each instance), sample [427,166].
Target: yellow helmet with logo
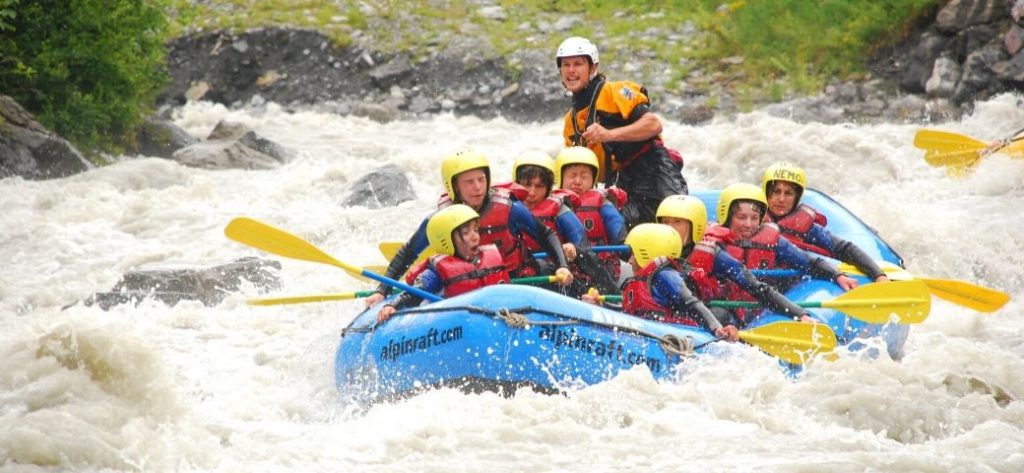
[443,224]
[686,207]
[574,155]
[739,191]
[458,163]
[653,240]
[787,172]
[532,158]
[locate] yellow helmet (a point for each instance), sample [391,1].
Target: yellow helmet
[574,155]
[783,171]
[689,208]
[739,191]
[653,240]
[533,158]
[458,163]
[443,224]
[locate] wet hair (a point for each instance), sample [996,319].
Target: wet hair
[528,172]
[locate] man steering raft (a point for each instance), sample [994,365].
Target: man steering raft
[614,120]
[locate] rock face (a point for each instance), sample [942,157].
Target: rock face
[972,51]
[208,285]
[303,67]
[31,151]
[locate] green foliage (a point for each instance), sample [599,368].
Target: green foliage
[7,13]
[88,69]
[804,41]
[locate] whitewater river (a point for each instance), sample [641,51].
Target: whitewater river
[236,388]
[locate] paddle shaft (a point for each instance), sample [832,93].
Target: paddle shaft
[596,249]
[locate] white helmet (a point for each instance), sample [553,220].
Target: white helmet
[576,46]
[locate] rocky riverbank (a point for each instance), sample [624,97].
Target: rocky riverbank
[970,51]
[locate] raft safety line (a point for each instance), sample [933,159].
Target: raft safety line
[514,318]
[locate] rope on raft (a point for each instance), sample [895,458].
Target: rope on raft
[515,318]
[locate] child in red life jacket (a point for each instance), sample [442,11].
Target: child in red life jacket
[534,171]
[784,184]
[705,265]
[658,290]
[758,245]
[504,220]
[576,170]
[460,266]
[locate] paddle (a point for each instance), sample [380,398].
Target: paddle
[973,296]
[389,248]
[596,249]
[311,298]
[908,301]
[959,152]
[274,240]
[360,294]
[793,342]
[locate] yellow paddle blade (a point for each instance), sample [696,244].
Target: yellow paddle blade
[793,342]
[963,293]
[961,159]
[905,302]
[279,242]
[390,248]
[946,141]
[306,299]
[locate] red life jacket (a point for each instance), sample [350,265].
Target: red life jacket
[547,212]
[698,268]
[637,298]
[494,228]
[796,225]
[757,252]
[589,213]
[460,276]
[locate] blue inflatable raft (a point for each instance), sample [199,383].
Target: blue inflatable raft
[503,338]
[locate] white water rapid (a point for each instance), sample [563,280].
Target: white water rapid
[237,388]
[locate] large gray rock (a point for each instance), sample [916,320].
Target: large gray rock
[161,138]
[978,74]
[958,15]
[29,150]
[945,76]
[382,187]
[206,285]
[220,154]
[233,145]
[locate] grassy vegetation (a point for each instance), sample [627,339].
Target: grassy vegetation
[88,69]
[785,45]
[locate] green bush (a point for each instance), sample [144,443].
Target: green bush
[805,41]
[88,69]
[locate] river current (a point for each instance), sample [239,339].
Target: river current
[242,388]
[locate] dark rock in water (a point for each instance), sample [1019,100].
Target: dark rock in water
[233,146]
[29,150]
[161,138]
[382,187]
[265,146]
[209,285]
[219,154]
